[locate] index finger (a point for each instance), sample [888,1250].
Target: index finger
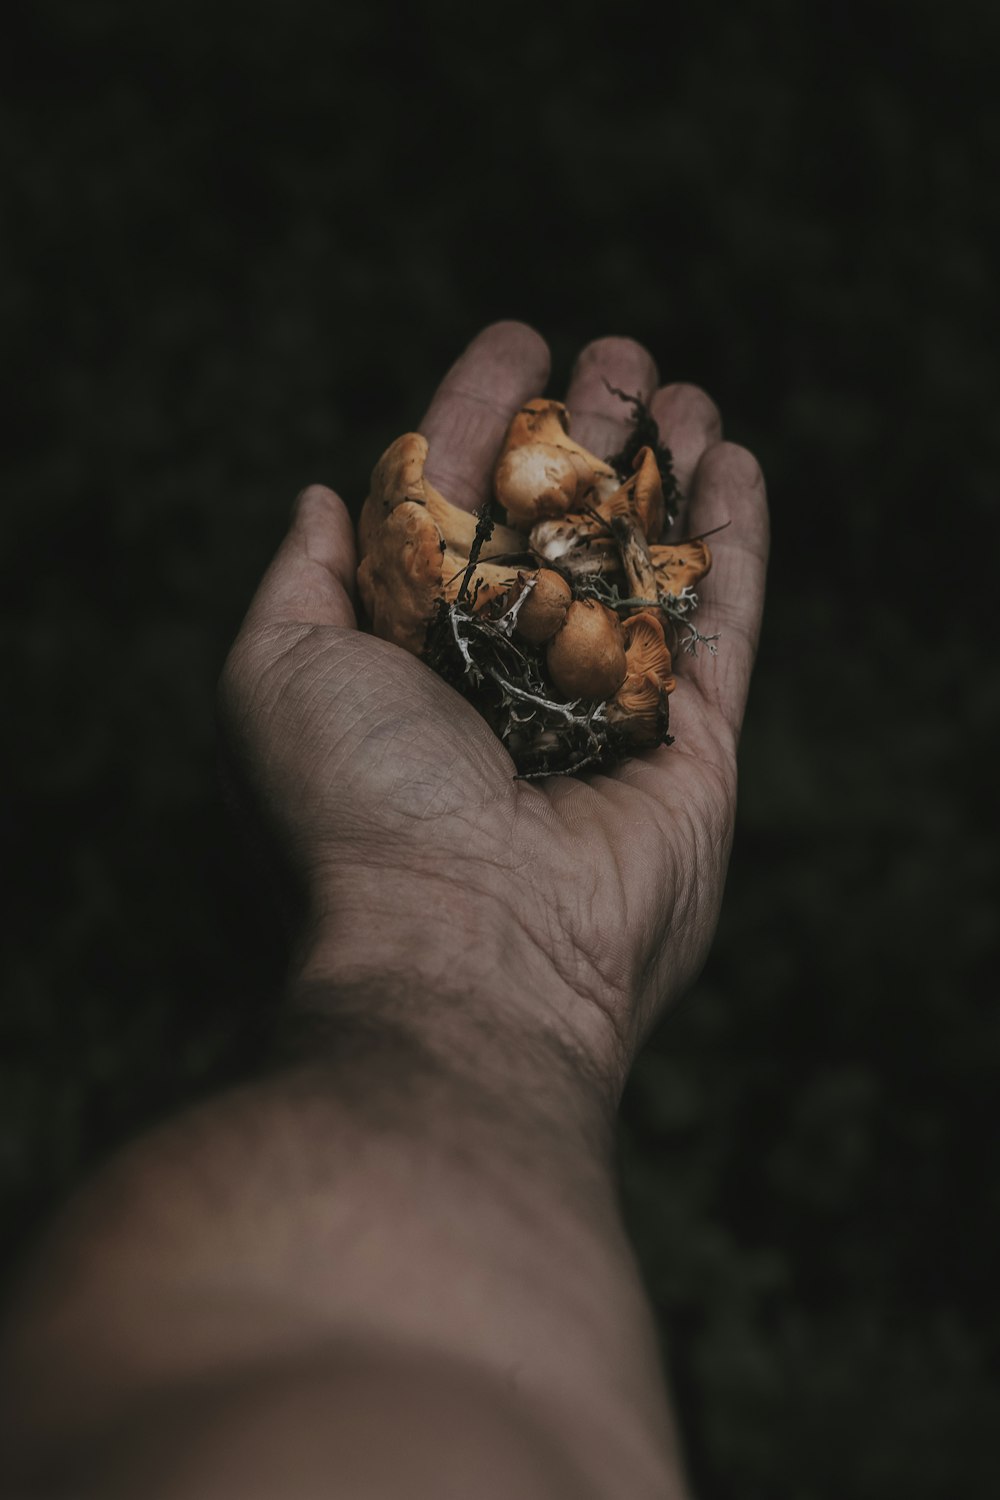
[504,366]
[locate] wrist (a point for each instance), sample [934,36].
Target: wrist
[449,961]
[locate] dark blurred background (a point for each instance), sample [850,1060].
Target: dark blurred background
[240,246]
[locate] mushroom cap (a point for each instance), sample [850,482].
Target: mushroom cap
[639,708]
[641,497]
[544,610]
[586,659]
[537,481]
[646,648]
[681,566]
[538,421]
[401,577]
[553,472]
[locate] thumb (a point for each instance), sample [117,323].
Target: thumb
[311,580]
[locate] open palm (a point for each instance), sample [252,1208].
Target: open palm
[384,786]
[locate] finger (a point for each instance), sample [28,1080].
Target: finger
[689,422]
[600,420]
[467,420]
[311,580]
[728,491]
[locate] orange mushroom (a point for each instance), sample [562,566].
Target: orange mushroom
[681,566]
[546,598]
[399,476]
[408,570]
[586,659]
[640,498]
[579,535]
[542,471]
[415,548]
[639,708]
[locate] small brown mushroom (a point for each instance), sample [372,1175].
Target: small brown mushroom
[544,472]
[640,498]
[546,598]
[586,659]
[639,708]
[646,649]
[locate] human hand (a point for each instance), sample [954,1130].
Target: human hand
[580,904]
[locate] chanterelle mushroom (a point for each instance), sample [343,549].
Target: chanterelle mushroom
[400,576]
[586,659]
[680,567]
[543,472]
[399,476]
[640,498]
[639,708]
[415,548]
[543,611]
[638,502]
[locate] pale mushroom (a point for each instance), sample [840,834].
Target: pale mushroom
[583,537]
[586,659]
[577,543]
[542,471]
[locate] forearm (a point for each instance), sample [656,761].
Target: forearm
[413,1190]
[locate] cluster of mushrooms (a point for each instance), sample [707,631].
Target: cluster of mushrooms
[558,625]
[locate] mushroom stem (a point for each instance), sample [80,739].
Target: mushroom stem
[636,560]
[574,546]
[480,581]
[591,562]
[458,527]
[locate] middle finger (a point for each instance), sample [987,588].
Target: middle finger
[601,421]
[503,367]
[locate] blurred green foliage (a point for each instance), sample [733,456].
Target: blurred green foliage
[240,247]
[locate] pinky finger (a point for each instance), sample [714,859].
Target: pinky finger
[727,491]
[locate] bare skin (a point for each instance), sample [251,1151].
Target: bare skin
[422,1183]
